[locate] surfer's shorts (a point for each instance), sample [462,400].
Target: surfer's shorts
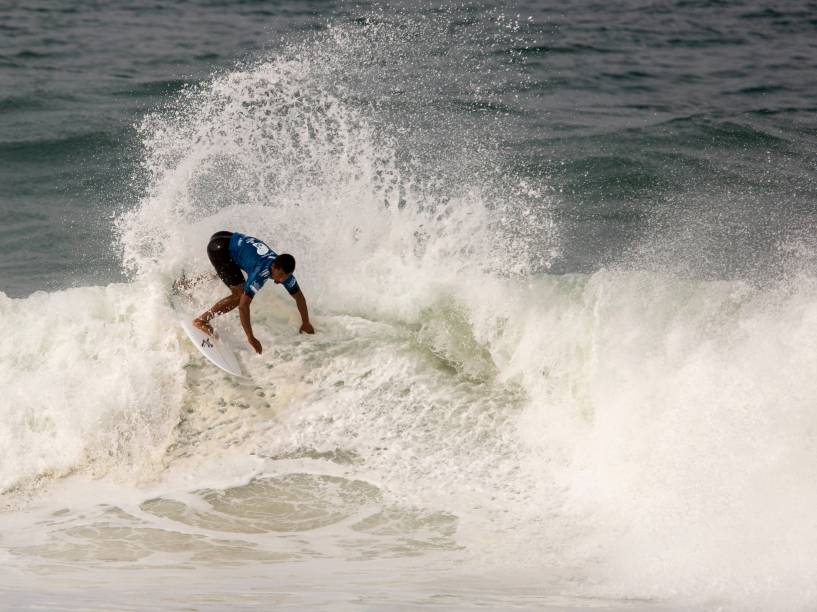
[218,250]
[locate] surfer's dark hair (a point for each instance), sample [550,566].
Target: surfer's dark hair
[285,262]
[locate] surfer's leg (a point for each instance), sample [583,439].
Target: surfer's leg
[223,305]
[218,251]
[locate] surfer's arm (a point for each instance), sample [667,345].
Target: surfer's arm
[244,315]
[300,301]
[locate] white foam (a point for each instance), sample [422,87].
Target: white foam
[677,417]
[88,376]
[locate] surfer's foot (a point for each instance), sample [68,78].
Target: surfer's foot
[203,326]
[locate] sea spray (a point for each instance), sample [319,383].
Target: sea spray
[297,149]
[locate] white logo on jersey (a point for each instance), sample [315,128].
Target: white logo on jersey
[260,248]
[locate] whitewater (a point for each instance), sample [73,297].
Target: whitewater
[466,428]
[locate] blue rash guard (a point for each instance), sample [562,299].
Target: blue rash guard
[255,258]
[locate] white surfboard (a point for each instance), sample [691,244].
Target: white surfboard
[214,349]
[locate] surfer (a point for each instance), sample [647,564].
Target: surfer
[230,253]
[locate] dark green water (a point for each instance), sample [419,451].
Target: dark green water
[672,134]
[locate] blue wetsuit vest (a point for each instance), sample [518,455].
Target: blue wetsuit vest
[255,258]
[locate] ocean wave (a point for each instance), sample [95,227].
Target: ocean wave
[627,428]
[631,410]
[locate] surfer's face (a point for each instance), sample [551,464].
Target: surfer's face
[278,275]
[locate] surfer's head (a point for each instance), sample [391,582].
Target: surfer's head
[282,267]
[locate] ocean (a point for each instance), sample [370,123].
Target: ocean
[560,258]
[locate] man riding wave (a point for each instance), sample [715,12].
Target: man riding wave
[233,254]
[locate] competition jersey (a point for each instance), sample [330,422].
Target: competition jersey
[255,258]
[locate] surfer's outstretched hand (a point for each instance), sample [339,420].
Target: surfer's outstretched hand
[306,328]
[255,344]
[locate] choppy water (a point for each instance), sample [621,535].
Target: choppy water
[561,265]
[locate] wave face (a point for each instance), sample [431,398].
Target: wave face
[617,434]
